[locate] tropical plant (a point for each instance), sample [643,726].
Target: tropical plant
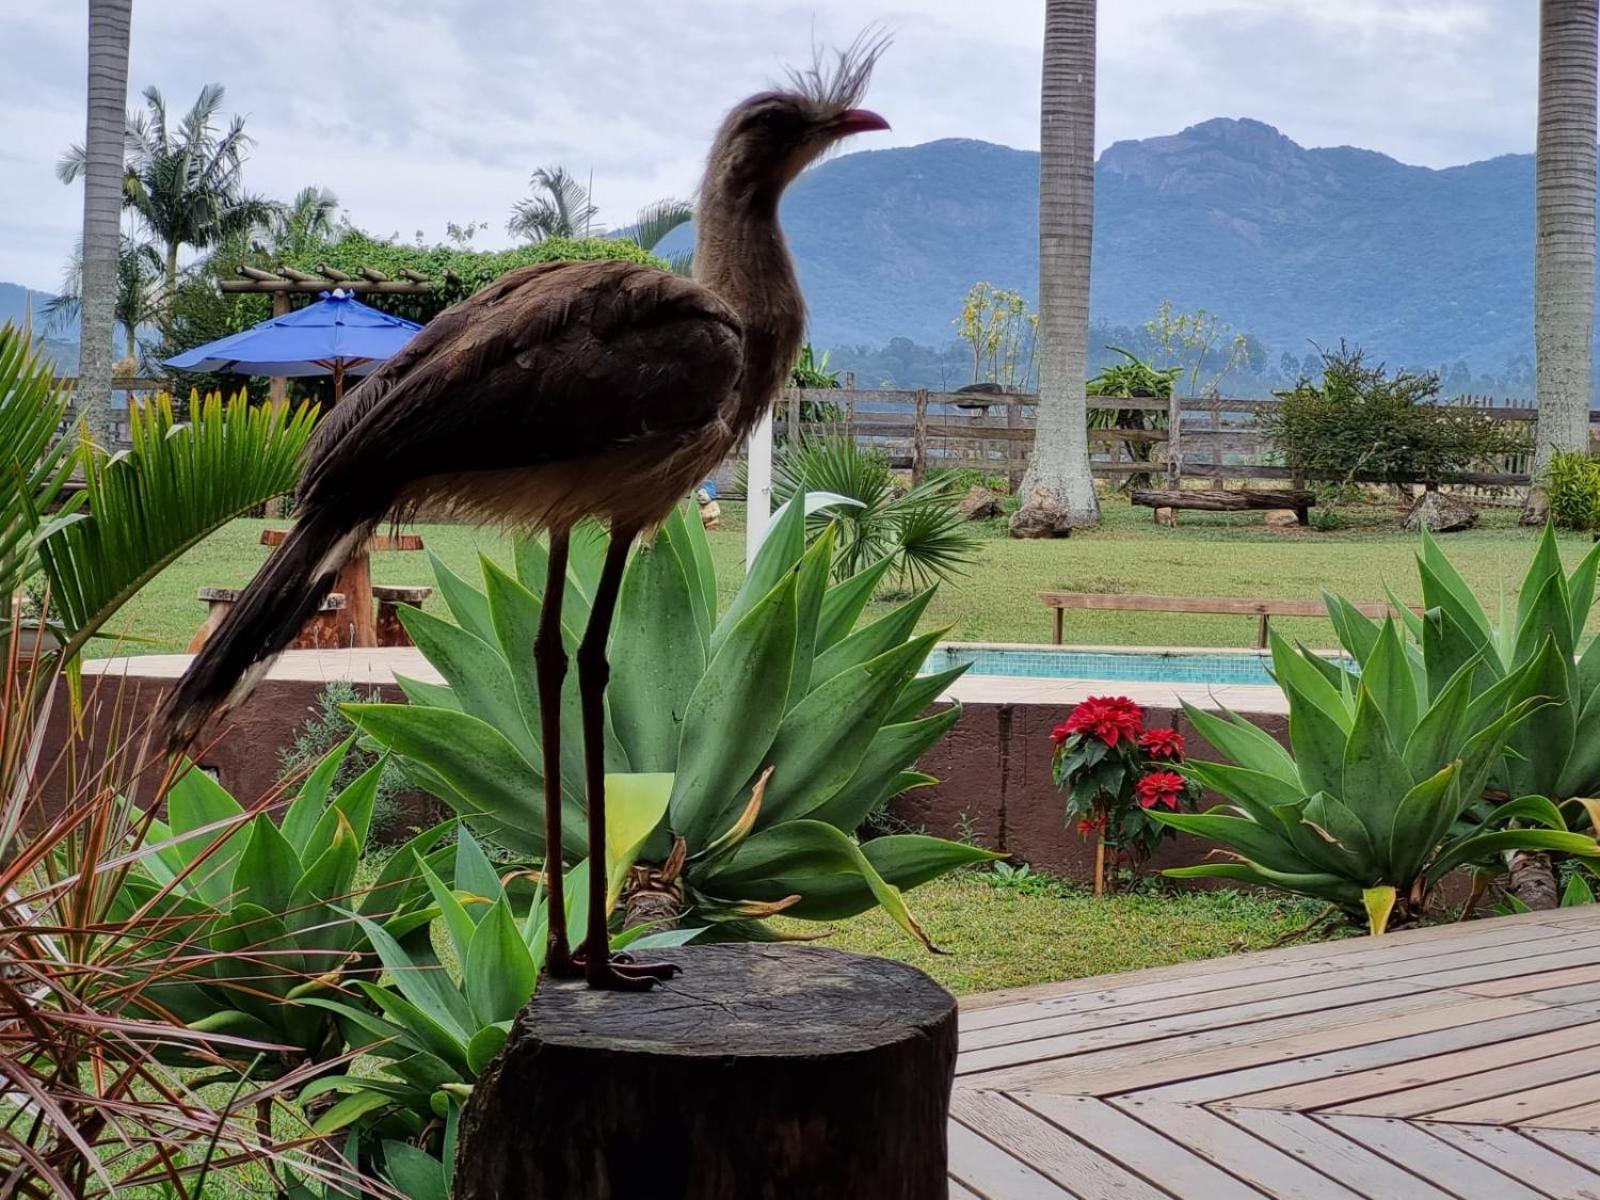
[328,728]
[1362,424]
[559,208]
[920,533]
[782,681]
[1114,771]
[1382,793]
[303,225]
[178,483]
[1564,248]
[138,272]
[92,1109]
[265,902]
[185,183]
[1003,334]
[432,1031]
[1060,460]
[1190,342]
[101,165]
[1132,377]
[1572,491]
[35,463]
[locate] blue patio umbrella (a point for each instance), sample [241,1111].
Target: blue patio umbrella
[338,335]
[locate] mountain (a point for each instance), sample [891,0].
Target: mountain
[1294,245]
[19,304]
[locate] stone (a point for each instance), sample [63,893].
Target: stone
[1440,513]
[979,504]
[1282,517]
[1040,517]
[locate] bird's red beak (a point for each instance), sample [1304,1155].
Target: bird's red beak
[857,120]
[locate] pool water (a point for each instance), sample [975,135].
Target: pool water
[1176,666]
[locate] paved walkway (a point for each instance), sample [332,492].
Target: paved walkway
[1458,1063]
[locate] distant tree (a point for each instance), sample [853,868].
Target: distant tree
[1201,344]
[184,183]
[1564,249]
[303,223]
[1060,459]
[562,207]
[137,279]
[101,165]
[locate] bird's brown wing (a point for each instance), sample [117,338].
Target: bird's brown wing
[555,362]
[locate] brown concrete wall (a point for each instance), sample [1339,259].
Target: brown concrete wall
[993,767]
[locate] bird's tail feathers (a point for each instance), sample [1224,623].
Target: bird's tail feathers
[287,590]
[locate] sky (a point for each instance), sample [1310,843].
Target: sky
[417,113]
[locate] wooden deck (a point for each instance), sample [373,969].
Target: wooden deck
[1459,1063]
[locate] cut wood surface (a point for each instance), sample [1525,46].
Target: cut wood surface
[1224,500]
[1455,1063]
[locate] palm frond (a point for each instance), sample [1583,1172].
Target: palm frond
[178,484]
[659,219]
[34,462]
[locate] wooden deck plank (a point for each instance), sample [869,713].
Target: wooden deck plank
[1582,1146]
[1158,1158]
[960,1191]
[1522,984]
[1397,1079]
[1048,1148]
[1128,1068]
[1332,1153]
[1537,1100]
[995,1174]
[1147,1022]
[1487,1085]
[1522,1158]
[1238,1152]
[1582,1116]
[1476,964]
[1422,1154]
[1396,1054]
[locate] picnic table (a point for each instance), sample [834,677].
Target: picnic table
[355,580]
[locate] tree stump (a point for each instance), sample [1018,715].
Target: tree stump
[763,1072]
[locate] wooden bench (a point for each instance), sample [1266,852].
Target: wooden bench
[1229,500]
[391,599]
[1059,602]
[326,630]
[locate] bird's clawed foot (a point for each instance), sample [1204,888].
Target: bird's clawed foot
[559,962]
[620,973]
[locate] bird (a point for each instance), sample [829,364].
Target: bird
[559,392]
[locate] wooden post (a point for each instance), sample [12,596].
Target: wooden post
[1016,461]
[1099,863]
[277,395]
[1216,441]
[765,1070]
[792,396]
[919,439]
[1174,441]
[850,414]
[1059,621]
[1262,638]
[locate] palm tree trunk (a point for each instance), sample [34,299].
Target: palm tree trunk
[109,22]
[171,273]
[1060,461]
[1564,250]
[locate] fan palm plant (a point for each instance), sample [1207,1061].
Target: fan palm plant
[138,278]
[183,182]
[35,463]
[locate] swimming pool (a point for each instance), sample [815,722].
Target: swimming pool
[1148,666]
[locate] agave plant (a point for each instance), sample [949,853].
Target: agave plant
[434,1029]
[1371,809]
[265,904]
[782,682]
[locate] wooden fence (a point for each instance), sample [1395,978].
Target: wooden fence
[1213,438]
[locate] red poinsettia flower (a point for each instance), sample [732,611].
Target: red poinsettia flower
[1160,787]
[1162,743]
[1060,733]
[1088,825]
[1109,718]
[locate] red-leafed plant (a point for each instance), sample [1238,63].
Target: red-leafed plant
[100,1090]
[1114,771]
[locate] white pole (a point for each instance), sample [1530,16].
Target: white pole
[758,506]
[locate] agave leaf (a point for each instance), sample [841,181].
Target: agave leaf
[444,1038]
[1388,676]
[1319,746]
[844,603]
[1443,588]
[882,635]
[1379,903]
[474,873]
[1447,650]
[1333,888]
[1421,819]
[810,588]
[202,813]
[745,688]
[1581,772]
[699,546]
[485,1044]
[893,749]
[498,971]
[268,868]
[426,987]
[306,809]
[355,804]
[429,695]
[1255,842]
[1254,792]
[1580,591]
[1546,615]
[782,549]
[1332,838]
[1589,667]
[1375,776]
[467,604]
[921,692]
[635,806]
[1442,729]
[1246,744]
[398,881]
[457,921]
[1545,745]
[1357,632]
[1302,681]
[1544,567]
[1578,891]
[1481,846]
[478,675]
[1537,809]
[347,1111]
[656,654]
[1402,610]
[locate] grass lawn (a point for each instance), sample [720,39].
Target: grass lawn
[1224,554]
[997,937]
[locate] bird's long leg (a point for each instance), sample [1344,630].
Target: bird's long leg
[594,672]
[550,658]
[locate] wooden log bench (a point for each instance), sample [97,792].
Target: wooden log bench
[1265,610]
[1229,500]
[325,630]
[391,599]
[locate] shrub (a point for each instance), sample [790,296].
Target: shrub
[327,729]
[1572,490]
[1128,379]
[1361,424]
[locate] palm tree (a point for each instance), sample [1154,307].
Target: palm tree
[564,209]
[306,222]
[101,167]
[1564,250]
[559,207]
[137,279]
[184,183]
[1060,461]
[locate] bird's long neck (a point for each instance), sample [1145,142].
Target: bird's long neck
[741,255]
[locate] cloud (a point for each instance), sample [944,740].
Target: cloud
[419,114]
